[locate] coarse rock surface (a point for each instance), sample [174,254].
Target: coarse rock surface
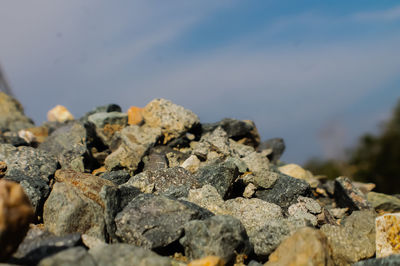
[297,171]
[73,256]
[135,116]
[348,195]
[12,115]
[387,234]
[392,260]
[383,202]
[208,198]
[107,124]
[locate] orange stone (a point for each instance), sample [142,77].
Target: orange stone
[135,116]
[59,114]
[208,261]
[3,169]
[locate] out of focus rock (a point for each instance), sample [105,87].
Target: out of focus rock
[383,202]
[387,235]
[12,117]
[59,114]
[277,146]
[135,116]
[107,124]
[208,261]
[3,169]
[191,164]
[391,260]
[73,256]
[349,196]
[297,171]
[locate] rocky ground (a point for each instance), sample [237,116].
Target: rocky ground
[154,186]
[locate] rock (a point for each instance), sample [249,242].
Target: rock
[298,172]
[153,221]
[387,235]
[208,198]
[191,164]
[175,158]
[107,124]
[249,190]
[221,176]
[285,191]
[101,109]
[3,169]
[239,150]
[347,195]
[172,119]
[365,188]
[354,240]
[174,182]
[263,179]
[92,242]
[155,161]
[386,261]
[135,143]
[126,255]
[216,140]
[135,116]
[15,139]
[40,133]
[244,131]
[118,177]
[338,213]
[383,202]
[28,161]
[12,117]
[59,114]
[305,209]
[68,210]
[15,215]
[208,261]
[305,247]
[68,144]
[256,162]
[222,236]
[277,146]
[74,256]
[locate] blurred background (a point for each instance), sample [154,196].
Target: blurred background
[323,75]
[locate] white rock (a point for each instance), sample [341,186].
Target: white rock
[191,164]
[59,114]
[387,234]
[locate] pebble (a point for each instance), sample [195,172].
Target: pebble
[135,116]
[60,114]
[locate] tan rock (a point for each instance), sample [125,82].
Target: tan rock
[41,133]
[26,135]
[59,114]
[208,261]
[298,172]
[191,164]
[307,246]
[135,116]
[3,169]
[387,235]
[16,213]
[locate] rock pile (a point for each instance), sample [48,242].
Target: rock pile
[154,186]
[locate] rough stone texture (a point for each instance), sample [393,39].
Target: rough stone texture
[277,147]
[249,191]
[77,256]
[383,202]
[134,142]
[354,240]
[285,191]
[101,109]
[12,115]
[221,236]
[221,176]
[256,162]
[191,164]
[263,179]
[28,161]
[135,116]
[126,255]
[174,182]
[208,261]
[15,215]
[392,260]
[297,171]
[305,247]
[107,123]
[68,210]
[208,197]
[153,221]
[59,114]
[349,196]
[172,119]
[387,235]
[118,177]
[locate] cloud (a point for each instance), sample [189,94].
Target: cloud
[390,14]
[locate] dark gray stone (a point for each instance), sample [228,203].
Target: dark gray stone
[392,260]
[118,177]
[77,256]
[155,161]
[222,236]
[349,196]
[285,191]
[277,145]
[154,221]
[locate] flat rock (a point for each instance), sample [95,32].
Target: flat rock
[73,256]
[383,202]
[153,221]
[387,234]
[222,236]
[349,196]
[12,115]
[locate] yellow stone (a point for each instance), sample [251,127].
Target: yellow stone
[59,114]
[387,229]
[135,116]
[208,261]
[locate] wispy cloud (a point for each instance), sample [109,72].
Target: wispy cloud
[390,14]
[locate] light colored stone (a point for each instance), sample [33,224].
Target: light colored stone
[135,116]
[208,261]
[92,242]
[208,198]
[191,164]
[383,202]
[387,234]
[3,169]
[59,114]
[249,190]
[26,135]
[298,172]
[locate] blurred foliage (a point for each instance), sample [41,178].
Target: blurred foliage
[375,159]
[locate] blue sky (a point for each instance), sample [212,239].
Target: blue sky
[317,73]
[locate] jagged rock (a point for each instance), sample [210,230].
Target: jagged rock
[277,147]
[354,240]
[240,150]
[222,236]
[153,221]
[107,124]
[101,109]
[349,196]
[297,171]
[12,115]
[383,202]
[118,177]
[172,119]
[392,260]
[59,114]
[208,198]
[305,247]
[191,164]
[387,234]
[73,256]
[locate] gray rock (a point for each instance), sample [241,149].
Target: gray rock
[349,196]
[107,123]
[258,164]
[207,197]
[155,161]
[153,221]
[392,260]
[354,240]
[277,145]
[118,177]
[172,119]
[380,201]
[240,150]
[222,236]
[217,140]
[28,161]
[77,256]
[101,109]
[68,210]
[126,255]
[12,115]
[221,176]
[285,191]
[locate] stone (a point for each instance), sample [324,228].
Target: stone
[307,246]
[135,142]
[383,202]
[285,191]
[249,191]
[118,177]
[239,150]
[299,211]
[387,234]
[28,161]
[208,198]
[126,255]
[172,119]
[155,161]
[15,215]
[15,139]
[263,179]
[354,240]
[3,169]
[135,116]
[108,108]
[216,140]
[191,164]
[391,260]
[222,236]
[40,133]
[12,117]
[107,124]
[153,221]
[60,114]
[174,182]
[338,213]
[277,145]
[208,261]
[68,210]
[221,176]
[256,162]
[365,188]
[298,172]
[348,196]
[73,256]
[92,242]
